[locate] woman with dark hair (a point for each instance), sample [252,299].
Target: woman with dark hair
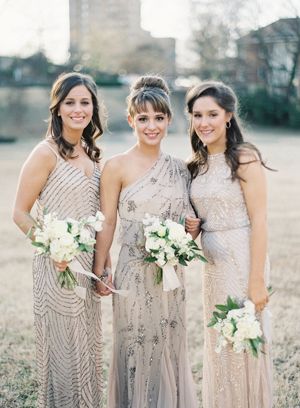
[150,366]
[228,191]
[62,175]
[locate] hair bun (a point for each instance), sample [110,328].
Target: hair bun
[150,81]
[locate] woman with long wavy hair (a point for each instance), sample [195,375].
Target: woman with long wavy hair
[62,175]
[228,191]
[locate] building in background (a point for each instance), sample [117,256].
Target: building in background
[107,35]
[270,56]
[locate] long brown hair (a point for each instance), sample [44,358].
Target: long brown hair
[60,89]
[225,97]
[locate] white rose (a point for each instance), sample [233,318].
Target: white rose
[161,260]
[42,237]
[151,244]
[56,251]
[176,231]
[99,216]
[235,313]
[58,228]
[98,226]
[85,237]
[75,228]
[227,330]
[161,232]
[249,307]
[66,240]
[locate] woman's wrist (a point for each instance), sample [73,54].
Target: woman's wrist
[102,274]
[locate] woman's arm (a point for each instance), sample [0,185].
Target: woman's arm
[255,193]
[110,187]
[33,177]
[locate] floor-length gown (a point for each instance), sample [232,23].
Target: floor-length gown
[68,328]
[150,367]
[230,380]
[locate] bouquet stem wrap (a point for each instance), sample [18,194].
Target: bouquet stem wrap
[170,278]
[80,291]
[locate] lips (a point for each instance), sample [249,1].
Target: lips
[77,119]
[206,132]
[152,135]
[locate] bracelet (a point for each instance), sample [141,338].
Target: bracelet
[106,272]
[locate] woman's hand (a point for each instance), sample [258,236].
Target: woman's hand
[192,225]
[101,289]
[61,266]
[258,294]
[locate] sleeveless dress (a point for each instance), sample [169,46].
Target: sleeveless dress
[68,329]
[230,380]
[150,367]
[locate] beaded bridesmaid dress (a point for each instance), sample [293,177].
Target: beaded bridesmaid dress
[230,380]
[150,367]
[68,328]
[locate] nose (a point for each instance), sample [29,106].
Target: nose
[77,107]
[151,124]
[203,123]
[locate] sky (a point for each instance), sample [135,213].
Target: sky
[28,25]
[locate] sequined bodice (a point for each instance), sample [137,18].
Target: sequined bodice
[218,200]
[162,191]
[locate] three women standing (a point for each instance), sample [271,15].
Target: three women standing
[150,367]
[62,175]
[228,191]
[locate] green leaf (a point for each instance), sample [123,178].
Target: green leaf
[223,308]
[203,259]
[231,304]
[212,322]
[158,276]
[38,244]
[150,259]
[181,221]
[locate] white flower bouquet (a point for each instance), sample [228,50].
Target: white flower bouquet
[62,240]
[168,244]
[237,326]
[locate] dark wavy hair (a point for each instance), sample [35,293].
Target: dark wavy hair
[225,97]
[152,89]
[60,89]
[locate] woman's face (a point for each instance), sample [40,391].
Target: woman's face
[76,110]
[150,127]
[209,121]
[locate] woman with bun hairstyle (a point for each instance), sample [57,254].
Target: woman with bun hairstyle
[150,366]
[228,191]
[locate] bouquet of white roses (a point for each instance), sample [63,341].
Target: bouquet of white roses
[168,244]
[62,240]
[237,326]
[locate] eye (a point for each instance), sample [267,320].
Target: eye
[196,115]
[68,102]
[142,119]
[160,118]
[213,115]
[85,103]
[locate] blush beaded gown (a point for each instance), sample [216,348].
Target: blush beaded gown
[230,380]
[150,367]
[68,328]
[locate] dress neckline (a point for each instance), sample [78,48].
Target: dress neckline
[144,175]
[215,155]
